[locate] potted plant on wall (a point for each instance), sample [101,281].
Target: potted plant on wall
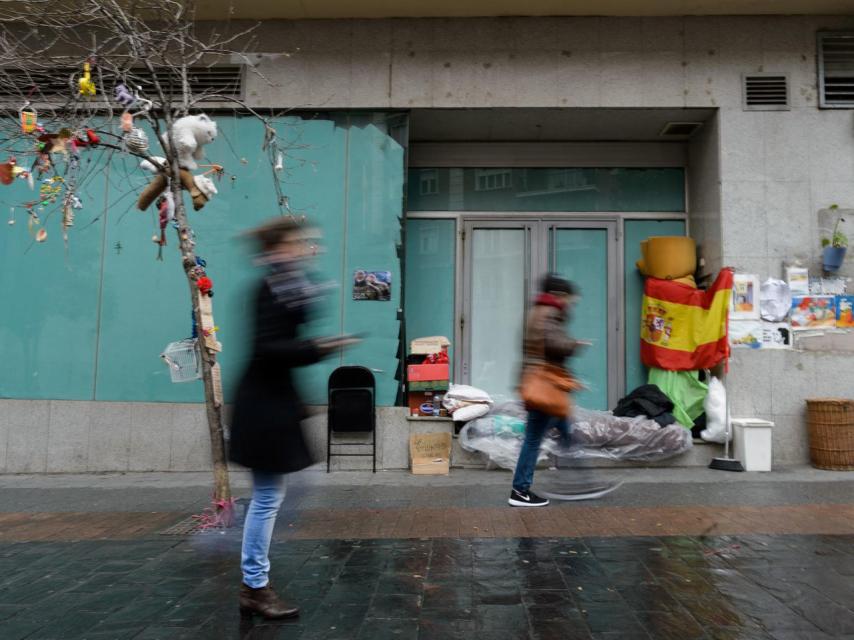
[835,247]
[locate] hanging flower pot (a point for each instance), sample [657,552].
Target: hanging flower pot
[834,247]
[833,257]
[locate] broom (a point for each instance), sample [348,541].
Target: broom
[726,463]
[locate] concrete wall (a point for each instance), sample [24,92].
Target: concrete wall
[533,62]
[704,194]
[62,436]
[757,179]
[53,436]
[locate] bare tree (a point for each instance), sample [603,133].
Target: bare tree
[76,73]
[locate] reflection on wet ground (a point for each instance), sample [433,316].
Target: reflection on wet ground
[714,588]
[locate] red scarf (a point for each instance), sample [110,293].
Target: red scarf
[549,300]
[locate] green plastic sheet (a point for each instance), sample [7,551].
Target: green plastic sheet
[685,391]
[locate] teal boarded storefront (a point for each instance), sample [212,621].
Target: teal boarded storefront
[87,321]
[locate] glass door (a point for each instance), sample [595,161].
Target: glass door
[584,253]
[499,257]
[504,261]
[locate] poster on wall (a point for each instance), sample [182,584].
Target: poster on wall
[776,335]
[745,334]
[372,285]
[755,334]
[845,312]
[745,297]
[813,312]
[799,280]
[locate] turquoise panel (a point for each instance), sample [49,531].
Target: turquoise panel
[49,295]
[581,255]
[53,349]
[635,232]
[373,210]
[430,269]
[547,189]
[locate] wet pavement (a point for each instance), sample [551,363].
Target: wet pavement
[677,553]
[797,587]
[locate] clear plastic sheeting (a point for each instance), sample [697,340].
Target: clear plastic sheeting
[594,435]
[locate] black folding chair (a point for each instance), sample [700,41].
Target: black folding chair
[352,409]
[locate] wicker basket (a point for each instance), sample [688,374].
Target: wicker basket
[831,433]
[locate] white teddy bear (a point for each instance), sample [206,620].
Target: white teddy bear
[190,134]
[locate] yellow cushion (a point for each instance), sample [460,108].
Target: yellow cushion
[668,257]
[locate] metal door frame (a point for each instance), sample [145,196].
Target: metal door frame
[537,263]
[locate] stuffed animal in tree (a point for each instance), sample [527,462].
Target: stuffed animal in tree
[190,134]
[201,187]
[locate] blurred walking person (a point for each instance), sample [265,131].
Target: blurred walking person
[266,434]
[545,382]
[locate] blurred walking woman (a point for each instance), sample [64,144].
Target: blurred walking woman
[266,435]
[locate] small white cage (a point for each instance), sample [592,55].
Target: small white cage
[183,360]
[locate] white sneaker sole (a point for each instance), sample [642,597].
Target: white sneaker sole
[522,503]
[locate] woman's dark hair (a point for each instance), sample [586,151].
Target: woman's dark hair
[271,233]
[553,283]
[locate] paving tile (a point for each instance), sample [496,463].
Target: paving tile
[712,588]
[501,618]
[379,629]
[442,628]
[395,606]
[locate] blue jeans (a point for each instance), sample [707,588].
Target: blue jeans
[538,424]
[268,491]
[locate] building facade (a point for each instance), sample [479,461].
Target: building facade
[465,156]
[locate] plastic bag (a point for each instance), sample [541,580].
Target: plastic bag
[715,405]
[775,300]
[467,393]
[594,435]
[472,411]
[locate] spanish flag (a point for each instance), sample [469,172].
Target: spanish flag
[682,328]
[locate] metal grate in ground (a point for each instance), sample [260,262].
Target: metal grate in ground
[186,527]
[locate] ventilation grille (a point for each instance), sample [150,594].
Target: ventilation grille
[836,70]
[766,92]
[680,129]
[43,86]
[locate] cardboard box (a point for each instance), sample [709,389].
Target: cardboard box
[430,453]
[417,399]
[427,372]
[429,385]
[428,346]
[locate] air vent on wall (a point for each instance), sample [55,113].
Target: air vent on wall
[679,129]
[836,70]
[766,92]
[224,80]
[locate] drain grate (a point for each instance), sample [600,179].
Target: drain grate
[205,523]
[187,527]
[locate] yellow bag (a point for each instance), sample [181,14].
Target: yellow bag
[668,257]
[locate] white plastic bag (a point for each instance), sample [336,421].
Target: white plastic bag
[715,406]
[470,412]
[775,300]
[467,394]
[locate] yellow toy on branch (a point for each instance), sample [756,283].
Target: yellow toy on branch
[87,87]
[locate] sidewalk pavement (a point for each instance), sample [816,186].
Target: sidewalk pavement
[466,503]
[673,554]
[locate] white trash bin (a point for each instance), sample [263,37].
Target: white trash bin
[753,442]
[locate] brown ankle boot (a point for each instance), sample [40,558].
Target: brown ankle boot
[264,602]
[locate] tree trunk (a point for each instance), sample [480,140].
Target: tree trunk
[210,368]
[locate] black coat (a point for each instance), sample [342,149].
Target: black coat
[647,400]
[265,427]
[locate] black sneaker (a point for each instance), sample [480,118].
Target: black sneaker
[526,499]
